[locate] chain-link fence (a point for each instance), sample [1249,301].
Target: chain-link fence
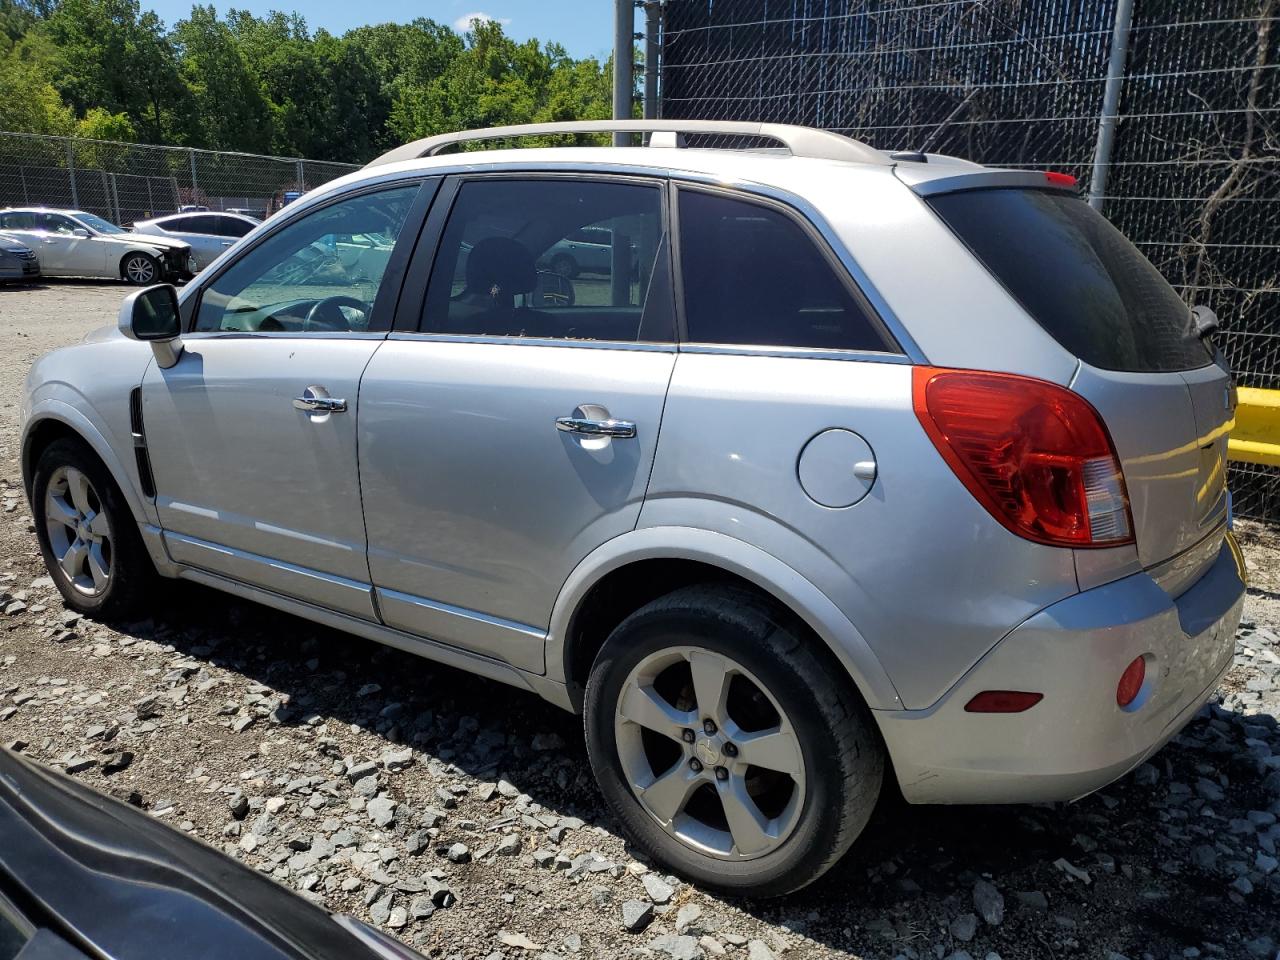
[124,182]
[1194,177]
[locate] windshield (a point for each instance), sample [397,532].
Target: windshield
[1078,277]
[97,223]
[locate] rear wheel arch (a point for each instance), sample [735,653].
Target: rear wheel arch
[603,592]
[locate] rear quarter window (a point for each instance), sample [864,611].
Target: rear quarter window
[1078,277]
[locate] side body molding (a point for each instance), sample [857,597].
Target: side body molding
[737,557]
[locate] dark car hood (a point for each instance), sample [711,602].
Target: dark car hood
[125,886]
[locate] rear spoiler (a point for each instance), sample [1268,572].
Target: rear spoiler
[928,183]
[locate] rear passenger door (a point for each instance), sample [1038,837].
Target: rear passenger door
[508,426]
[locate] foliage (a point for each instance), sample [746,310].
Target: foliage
[107,69]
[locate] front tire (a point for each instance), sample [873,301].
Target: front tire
[565,266]
[727,746]
[140,269]
[88,535]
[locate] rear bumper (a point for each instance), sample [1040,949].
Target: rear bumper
[1077,739]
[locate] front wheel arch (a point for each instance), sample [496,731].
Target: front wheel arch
[149,257]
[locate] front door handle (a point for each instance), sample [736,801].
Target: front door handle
[591,427]
[316,399]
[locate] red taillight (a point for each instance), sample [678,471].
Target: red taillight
[1131,681]
[1060,179]
[1003,701]
[1036,455]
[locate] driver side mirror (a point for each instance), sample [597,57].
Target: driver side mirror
[81,232]
[152,315]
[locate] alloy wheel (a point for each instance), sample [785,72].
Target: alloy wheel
[709,753]
[140,269]
[79,531]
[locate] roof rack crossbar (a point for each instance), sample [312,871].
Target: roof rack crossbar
[801,141]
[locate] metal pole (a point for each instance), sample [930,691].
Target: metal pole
[1110,104]
[71,172]
[624,24]
[652,22]
[195,187]
[302,184]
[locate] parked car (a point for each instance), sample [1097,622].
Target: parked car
[587,250]
[83,875]
[17,260]
[208,234]
[73,243]
[875,466]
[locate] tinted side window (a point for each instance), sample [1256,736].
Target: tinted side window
[176,225]
[232,227]
[508,264]
[753,275]
[1077,275]
[206,223]
[318,274]
[17,221]
[56,224]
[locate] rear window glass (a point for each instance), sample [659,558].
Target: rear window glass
[1077,275]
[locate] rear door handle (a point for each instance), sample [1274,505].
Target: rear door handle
[588,427]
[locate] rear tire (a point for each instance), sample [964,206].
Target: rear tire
[739,826]
[140,269]
[88,535]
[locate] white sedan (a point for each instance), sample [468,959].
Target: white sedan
[73,243]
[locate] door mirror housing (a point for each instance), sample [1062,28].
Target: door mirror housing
[1206,320]
[152,315]
[81,232]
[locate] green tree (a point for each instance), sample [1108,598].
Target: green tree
[30,103]
[267,84]
[109,54]
[229,111]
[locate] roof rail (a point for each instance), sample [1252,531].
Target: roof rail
[801,141]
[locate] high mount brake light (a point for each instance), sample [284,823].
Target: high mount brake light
[1060,179]
[1035,454]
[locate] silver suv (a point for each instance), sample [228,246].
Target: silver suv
[852,469]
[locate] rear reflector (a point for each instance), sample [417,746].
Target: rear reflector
[1131,682]
[1036,455]
[1003,701]
[1060,179]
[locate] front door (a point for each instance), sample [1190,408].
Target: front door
[61,251]
[252,434]
[511,428]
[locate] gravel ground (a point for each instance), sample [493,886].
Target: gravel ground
[385,786]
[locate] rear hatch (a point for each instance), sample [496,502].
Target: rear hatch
[1167,403]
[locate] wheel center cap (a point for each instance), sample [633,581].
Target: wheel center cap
[708,751]
[82,531]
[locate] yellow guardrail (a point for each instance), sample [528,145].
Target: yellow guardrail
[1256,435]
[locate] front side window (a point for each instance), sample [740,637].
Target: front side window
[752,275]
[318,274]
[53,223]
[513,263]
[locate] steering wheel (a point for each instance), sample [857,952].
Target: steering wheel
[325,315]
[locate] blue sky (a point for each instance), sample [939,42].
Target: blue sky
[584,27]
